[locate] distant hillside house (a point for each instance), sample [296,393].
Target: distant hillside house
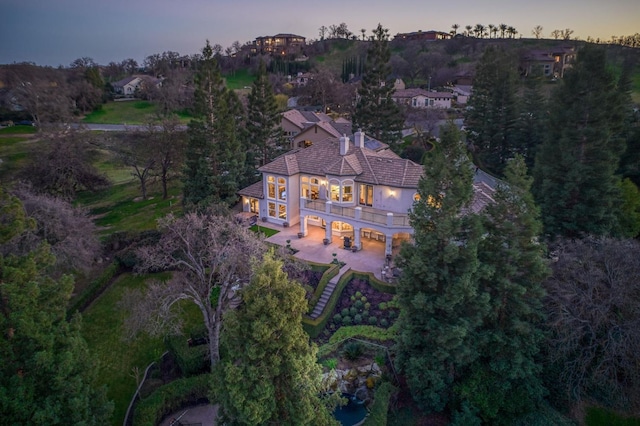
[279,44]
[550,63]
[420,98]
[423,35]
[128,86]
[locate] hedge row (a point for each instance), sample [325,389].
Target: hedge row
[169,398]
[314,327]
[368,332]
[191,360]
[94,289]
[380,407]
[329,273]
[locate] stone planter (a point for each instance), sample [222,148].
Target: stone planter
[300,235]
[326,241]
[264,218]
[285,224]
[354,249]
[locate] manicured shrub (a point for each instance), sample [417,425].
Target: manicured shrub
[382,306]
[353,311]
[337,318]
[358,304]
[380,407]
[344,312]
[353,298]
[367,306]
[363,299]
[170,398]
[358,295]
[384,322]
[393,313]
[346,320]
[353,351]
[357,319]
[373,320]
[365,313]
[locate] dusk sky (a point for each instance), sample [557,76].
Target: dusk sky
[55,32]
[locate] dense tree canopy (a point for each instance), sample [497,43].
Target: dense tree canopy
[46,374]
[442,304]
[268,374]
[491,113]
[376,112]
[575,174]
[214,159]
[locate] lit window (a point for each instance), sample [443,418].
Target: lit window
[282,211]
[272,209]
[282,191]
[416,197]
[334,190]
[366,195]
[271,187]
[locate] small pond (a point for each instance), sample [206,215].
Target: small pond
[351,414]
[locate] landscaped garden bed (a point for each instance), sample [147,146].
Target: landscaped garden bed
[361,304]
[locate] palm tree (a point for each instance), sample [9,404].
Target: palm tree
[491,28]
[468,28]
[479,30]
[455,29]
[363,31]
[512,32]
[503,29]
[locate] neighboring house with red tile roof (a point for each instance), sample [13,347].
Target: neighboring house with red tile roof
[279,44]
[420,98]
[342,185]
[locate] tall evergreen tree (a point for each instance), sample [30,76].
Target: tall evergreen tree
[504,382]
[266,137]
[442,305]
[213,156]
[492,112]
[46,374]
[575,182]
[376,113]
[531,122]
[269,373]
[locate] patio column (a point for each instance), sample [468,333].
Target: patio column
[388,244]
[303,225]
[389,219]
[327,231]
[358,213]
[356,237]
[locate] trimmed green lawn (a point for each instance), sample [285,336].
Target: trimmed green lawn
[121,208]
[122,112]
[103,329]
[239,79]
[267,232]
[14,152]
[13,130]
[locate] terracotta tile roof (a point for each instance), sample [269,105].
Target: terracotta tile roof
[365,165]
[410,93]
[295,117]
[482,197]
[253,191]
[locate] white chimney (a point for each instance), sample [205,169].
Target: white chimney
[344,145]
[359,138]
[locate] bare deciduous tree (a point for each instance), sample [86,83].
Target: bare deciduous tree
[211,258]
[68,230]
[592,304]
[63,165]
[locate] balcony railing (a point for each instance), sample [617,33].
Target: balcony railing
[367,214]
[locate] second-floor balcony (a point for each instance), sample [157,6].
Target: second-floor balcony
[360,213]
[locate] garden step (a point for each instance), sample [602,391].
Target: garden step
[326,294]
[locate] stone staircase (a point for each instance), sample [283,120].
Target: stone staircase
[326,294]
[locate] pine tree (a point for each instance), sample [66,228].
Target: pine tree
[504,382]
[214,156]
[46,374]
[575,182]
[442,306]
[376,113]
[269,373]
[263,120]
[491,112]
[531,122]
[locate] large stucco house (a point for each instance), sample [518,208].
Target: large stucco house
[341,185]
